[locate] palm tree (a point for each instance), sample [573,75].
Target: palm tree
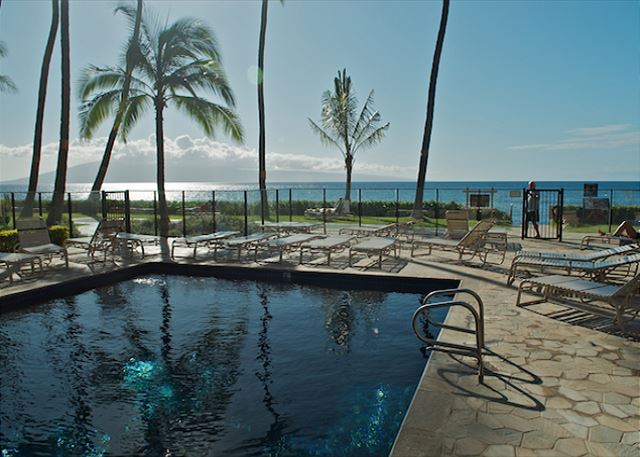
[6,84]
[428,126]
[262,142]
[130,62]
[341,128]
[175,61]
[27,209]
[55,211]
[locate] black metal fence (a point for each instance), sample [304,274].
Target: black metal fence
[194,212]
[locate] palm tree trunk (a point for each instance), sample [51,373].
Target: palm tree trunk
[348,164]
[262,159]
[55,213]
[162,198]
[104,165]
[27,209]
[428,127]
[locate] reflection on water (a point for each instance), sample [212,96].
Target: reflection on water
[202,366]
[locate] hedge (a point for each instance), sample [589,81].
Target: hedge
[9,238]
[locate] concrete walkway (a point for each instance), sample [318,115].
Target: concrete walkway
[559,382]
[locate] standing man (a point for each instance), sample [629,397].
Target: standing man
[533,208]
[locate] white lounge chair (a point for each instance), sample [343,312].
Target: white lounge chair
[477,242]
[290,227]
[33,236]
[376,246]
[325,212]
[284,244]
[589,240]
[240,243]
[200,240]
[366,230]
[580,255]
[14,262]
[558,287]
[101,240]
[329,245]
[132,241]
[598,269]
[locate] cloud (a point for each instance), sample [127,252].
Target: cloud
[190,151]
[606,137]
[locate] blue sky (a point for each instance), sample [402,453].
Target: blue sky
[545,90]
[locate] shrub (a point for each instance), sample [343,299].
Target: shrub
[9,238]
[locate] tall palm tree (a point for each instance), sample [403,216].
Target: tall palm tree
[57,201]
[6,84]
[428,126]
[344,128]
[27,209]
[175,61]
[262,142]
[131,59]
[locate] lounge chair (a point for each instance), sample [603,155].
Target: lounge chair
[620,240]
[33,236]
[366,230]
[563,287]
[284,244]
[598,270]
[325,212]
[239,243]
[477,241]
[290,227]
[132,241]
[377,246]
[405,231]
[14,262]
[578,255]
[457,223]
[200,240]
[329,245]
[101,240]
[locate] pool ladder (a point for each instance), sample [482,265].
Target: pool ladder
[453,348]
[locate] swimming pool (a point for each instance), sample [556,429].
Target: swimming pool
[208,366]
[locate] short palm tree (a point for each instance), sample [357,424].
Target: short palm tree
[175,62]
[6,84]
[341,126]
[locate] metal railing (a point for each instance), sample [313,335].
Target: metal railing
[444,346]
[197,212]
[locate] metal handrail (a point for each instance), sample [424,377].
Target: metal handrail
[453,348]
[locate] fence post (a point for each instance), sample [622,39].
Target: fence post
[155,213]
[104,205]
[561,196]
[40,203]
[246,222]
[324,210]
[70,211]
[397,206]
[610,209]
[213,210]
[290,207]
[13,209]
[524,214]
[277,205]
[359,206]
[436,209]
[127,212]
[184,217]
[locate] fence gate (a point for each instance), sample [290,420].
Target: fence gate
[115,205]
[546,214]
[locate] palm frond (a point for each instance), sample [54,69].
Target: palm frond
[202,74]
[325,138]
[7,85]
[136,106]
[210,115]
[3,49]
[93,112]
[95,78]
[365,118]
[373,138]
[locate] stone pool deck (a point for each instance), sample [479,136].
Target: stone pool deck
[558,382]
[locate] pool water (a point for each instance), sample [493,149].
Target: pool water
[190,366]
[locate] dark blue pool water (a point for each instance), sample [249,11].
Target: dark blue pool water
[206,366]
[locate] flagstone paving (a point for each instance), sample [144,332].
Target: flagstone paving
[557,382]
